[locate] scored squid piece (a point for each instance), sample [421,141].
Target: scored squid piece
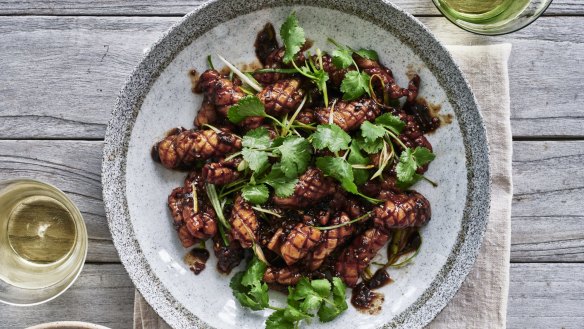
[222,172]
[349,115]
[206,115]
[282,97]
[312,187]
[244,223]
[222,93]
[187,146]
[336,74]
[306,116]
[287,276]
[185,237]
[357,256]
[219,91]
[330,240]
[401,210]
[192,216]
[299,242]
[198,216]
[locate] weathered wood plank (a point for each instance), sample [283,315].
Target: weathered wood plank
[79,64]
[64,73]
[547,204]
[546,296]
[103,294]
[547,223]
[178,7]
[541,296]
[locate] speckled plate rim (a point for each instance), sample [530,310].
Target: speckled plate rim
[378,12]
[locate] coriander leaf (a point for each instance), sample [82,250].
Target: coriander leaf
[295,154]
[258,138]
[371,132]
[255,159]
[301,290]
[278,141]
[361,176]
[248,106]
[369,147]
[320,79]
[355,84]
[328,312]
[283,186]
[342,58]
[337,168]
[248,287]
[406,185]
[321,286]
[391,122]
[355,157]
[254,273]
[423,155]
[240,293]
[330,136]
[256,194]
[339,289]
[304,292]
[406,167]
[277,320]
[293,314]
[368,53]
[293,37]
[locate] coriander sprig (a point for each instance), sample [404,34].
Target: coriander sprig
[309,298]
[380,136]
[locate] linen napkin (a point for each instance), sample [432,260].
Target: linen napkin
[481,302]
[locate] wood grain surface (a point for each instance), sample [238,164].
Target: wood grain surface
[81,64]
[62,63]
[180,8]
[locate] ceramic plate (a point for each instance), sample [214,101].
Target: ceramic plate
[158,96]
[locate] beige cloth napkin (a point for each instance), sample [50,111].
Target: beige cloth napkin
[481,302]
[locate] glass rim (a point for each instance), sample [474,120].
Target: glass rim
[494,33]
[82,235]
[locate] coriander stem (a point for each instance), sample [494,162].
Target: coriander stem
[289,125]
[210,62]
[214,198]
[285,71]
[360,166]
[299,124]
[430,181]
[303,73]
[396,138]
[215,129]
[234,155]
[275,120]
[241,75]
[334,42]
[274,308]
[266,211]
[223,236]
[324,228]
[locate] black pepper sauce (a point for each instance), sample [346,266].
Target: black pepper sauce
[196,259]
[364,299]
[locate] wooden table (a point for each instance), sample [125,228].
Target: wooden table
[62,63]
